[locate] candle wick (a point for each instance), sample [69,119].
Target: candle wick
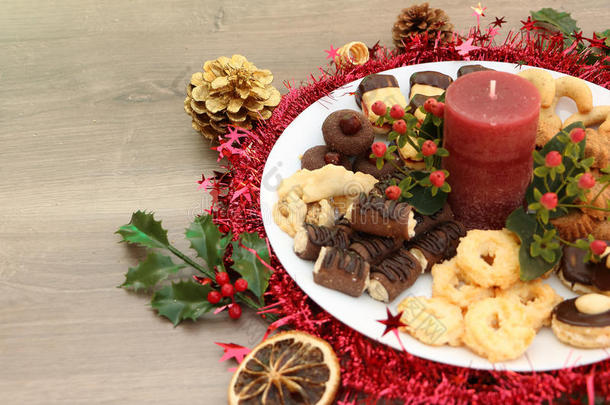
[492,90]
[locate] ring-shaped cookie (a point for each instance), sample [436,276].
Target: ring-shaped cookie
[497,329]
[489,258]
[448,283]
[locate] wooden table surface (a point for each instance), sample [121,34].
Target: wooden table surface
[91,129]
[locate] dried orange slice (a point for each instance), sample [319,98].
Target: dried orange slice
[288,368]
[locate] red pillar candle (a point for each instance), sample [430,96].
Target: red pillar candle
[490,134]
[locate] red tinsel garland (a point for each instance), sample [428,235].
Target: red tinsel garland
[368,367]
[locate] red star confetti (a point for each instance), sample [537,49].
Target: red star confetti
[233,351]
[597,42]
[578,36]
[465,48]
[392,322]
[331,53]
[478,12]
[529,24]
[204,183]
[234,135]
[498,23]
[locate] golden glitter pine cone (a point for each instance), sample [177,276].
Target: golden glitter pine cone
[229,91]
[418,19]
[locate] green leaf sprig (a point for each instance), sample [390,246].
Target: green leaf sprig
[557,188]
[191,298]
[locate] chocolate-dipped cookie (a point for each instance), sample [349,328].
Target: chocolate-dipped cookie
[348,132]
[374,249]
[310,239]
[464,70]
[393,275]
[382,217]
[341,270]
[427,84]
[378,87]
[583,321]
[367,165]
[320,156]
[438,244]
[581,277]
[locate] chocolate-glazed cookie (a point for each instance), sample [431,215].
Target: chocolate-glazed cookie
[320,156]
[438,244]
[584,277]
[348,132]
[426,222]
[583,321]
[367,165]
[464,70]
[311,238]
[378,87]
[341,270]
[382,217]
[374,249]
[393,275]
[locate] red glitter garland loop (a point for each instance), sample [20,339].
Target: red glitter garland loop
[369,368]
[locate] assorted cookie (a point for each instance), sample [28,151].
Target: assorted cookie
[378,87]
[581,277]
[348,132]
[583,321]
[319,156]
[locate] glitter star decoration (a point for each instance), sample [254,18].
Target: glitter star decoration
[392,322]
[478,12]
[465,47]
[204,183]
[529,24]
[331,53]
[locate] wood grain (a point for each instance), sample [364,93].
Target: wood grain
[91,129]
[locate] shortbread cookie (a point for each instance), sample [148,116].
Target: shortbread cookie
[433,321]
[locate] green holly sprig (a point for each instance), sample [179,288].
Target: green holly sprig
[561,183]
[424,189]
[213,286]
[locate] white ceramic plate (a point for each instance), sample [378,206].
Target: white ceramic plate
[362,314]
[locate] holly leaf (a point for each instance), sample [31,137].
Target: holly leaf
[155,268]
[207,240]
[526,226]
[249,266]
[144,231]
[422,198]
[560,20]
[182,300]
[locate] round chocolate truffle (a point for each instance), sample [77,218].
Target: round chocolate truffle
[368,165]
[320,156]
[348,132]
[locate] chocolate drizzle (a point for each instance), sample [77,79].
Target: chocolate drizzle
[387,209]
[401,267]
[345,260]
[567,312]
[426,222]
[324,236]
[374,249]
[575,270]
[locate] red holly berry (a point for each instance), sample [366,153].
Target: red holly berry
[586,181]
[379,107]
[222,278]
[214,297]
[234,311]
[400,126]
[227,290]
[549,201]
[598,247]
[577,135]
[429,148]
[241,285]
[393,192]
[379,149]
[437,178]
[429,104]
[438,109]
[397,111]
[552,159]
